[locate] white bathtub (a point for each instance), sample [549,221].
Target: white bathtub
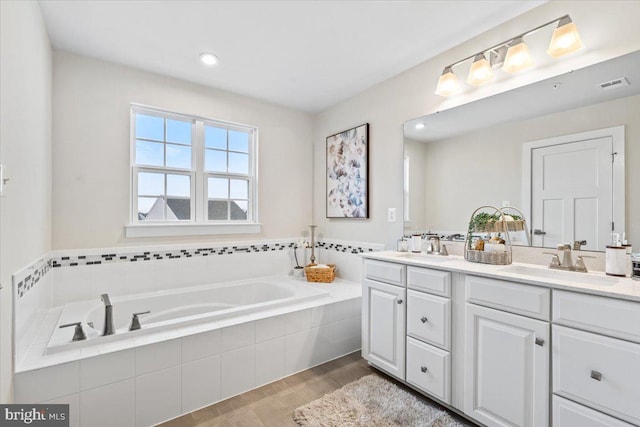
[176,308]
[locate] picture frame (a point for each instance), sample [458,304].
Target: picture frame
[348,173]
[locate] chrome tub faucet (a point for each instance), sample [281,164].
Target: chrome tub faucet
[108,316]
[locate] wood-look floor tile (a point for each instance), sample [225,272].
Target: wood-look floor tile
[272,405]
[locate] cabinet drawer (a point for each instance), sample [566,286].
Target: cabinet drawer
[570,414]
[429,318]
[386,272]
[598,371]
[608,316]
[428,368]
[427,280]
[531,301]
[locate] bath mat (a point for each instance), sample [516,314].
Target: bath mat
[372,401]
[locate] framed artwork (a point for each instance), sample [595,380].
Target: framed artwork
[348,173]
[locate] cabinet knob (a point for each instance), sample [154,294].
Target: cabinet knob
[540,342]
[399,301]
[423,369]
[596,375]
[424,319]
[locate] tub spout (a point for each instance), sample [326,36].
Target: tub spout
[108,316]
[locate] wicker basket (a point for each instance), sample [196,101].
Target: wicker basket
[320,274]
[499,226]
[497,258]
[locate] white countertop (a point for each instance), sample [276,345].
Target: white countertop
[596,283]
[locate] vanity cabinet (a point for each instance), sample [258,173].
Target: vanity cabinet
[383,327]
[429,331]
[507,354]
[592,365]
[502,352]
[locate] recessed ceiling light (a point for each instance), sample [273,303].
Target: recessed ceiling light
[208,59]
[420,126]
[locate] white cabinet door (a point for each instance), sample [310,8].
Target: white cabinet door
[506,368]
[598,371]
[383,332]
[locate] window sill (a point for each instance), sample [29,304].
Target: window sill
[168,230]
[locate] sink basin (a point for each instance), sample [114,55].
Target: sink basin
[569,276]
[422,256]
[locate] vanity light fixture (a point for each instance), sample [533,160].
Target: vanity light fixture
[420,126]
[480,72]
[512,56]
[208,59]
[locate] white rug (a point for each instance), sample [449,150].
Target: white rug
[372,401]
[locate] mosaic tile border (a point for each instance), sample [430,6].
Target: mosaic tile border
[40,269]
[109,258]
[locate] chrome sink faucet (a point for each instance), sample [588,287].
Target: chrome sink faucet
[566,261]
[108,316]
[562,260]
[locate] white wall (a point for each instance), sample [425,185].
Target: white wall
[91,103]
[607,28]
[25,150]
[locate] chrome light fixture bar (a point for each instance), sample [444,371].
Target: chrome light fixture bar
[511,55]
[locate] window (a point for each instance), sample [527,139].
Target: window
[191,171]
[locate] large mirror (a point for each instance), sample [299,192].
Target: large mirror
[554,149]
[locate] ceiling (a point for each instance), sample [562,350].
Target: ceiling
[306,55]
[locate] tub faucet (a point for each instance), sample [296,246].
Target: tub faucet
[108,315]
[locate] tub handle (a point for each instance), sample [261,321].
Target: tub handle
[78,333]
[135,322]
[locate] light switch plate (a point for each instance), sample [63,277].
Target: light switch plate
[391,215]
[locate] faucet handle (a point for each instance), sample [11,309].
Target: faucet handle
[135,322]
[555,260]
[78,333]
[580,265]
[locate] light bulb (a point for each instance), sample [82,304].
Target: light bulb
[565,38]
[518,57]
[447,83]
[208,59]
[480,72]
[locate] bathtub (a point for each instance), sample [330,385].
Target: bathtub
[176,308]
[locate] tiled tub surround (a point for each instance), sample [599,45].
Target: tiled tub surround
[160,375]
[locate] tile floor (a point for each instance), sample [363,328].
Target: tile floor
[272,405]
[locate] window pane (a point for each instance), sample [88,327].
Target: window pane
[239,189]
[150,184]
[215,161]
[239,209]
[149,127]
[218,188]
[178,131]
[218,210]
[238,141]
[179,185]
[178,156]
[238,163]
[149,153]
[150,208]
[215,137]
[178,209]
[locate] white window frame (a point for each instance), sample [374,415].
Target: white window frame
[199,224]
